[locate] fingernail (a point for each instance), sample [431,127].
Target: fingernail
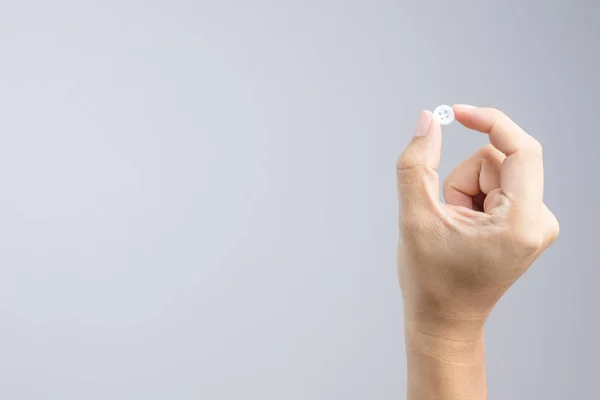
[464,107]
[423,124]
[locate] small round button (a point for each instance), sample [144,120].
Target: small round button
[444,114]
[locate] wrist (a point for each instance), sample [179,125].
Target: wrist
[460,346]
[448,326]
[445,365]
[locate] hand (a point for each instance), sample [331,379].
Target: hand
[457,259]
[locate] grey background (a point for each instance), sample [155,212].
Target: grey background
[197,198]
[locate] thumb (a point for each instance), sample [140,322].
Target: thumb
[418,181]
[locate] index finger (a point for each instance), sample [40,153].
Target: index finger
[522,174]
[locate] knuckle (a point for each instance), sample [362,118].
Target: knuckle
[497,114]
[532,145]
[554,230]
[500,118]
[533,150]
[416,174]
[536,146]
[487,150]
[530,241]
[490,154]
[409,160]
[403,162]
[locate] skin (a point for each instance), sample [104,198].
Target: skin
[456,260]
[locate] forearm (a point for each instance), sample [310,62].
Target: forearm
[446,361]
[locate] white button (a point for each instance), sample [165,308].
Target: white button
[444,114]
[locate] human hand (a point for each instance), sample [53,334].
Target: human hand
[455,260]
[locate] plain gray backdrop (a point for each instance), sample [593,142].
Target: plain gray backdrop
[198,201]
